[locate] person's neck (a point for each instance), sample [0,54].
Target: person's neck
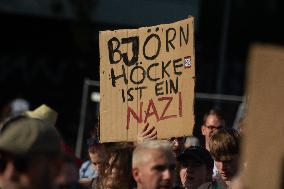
[225,184]
[139,186]
[207,146]
[228,183]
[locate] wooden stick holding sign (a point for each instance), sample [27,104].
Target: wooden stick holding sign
[147,77]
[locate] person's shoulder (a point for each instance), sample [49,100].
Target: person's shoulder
[219,182]
[87,171]
[207,185]
[210,185]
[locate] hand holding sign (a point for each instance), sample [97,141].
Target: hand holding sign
[148,133]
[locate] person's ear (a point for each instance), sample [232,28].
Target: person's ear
[136,174]
[203,129]
[9,172]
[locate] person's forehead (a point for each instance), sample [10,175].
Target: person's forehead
[228,159]
[213,120]
[155,156]
[96,157]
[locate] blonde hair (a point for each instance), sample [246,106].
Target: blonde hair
[139,154]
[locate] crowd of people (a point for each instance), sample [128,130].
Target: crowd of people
[32,157]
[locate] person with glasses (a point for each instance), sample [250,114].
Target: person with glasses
[212,121]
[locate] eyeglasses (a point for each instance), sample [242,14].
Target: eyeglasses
[212,127]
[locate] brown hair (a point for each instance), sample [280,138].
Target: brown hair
[224,143]
[120,160]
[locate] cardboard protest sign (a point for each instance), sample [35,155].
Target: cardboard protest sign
[263,144]
[147,76]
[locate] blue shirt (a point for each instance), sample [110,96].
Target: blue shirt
[87,170]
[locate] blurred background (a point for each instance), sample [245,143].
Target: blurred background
[49,50]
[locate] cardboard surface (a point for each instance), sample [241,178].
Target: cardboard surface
[147,76]
[263,146]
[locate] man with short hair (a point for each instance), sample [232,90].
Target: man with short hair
[224,147]
[153,165]
[30,152]
[212,121]
[196,166]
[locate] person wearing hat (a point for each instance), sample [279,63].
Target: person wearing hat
[196,166]
[30,152]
